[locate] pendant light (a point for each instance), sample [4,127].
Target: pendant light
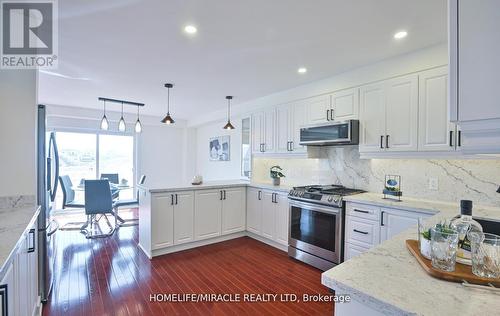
[138,125]
[228,126]
[121,123]
[168,119]
[104,120]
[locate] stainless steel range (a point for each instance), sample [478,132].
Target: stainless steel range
[316,234]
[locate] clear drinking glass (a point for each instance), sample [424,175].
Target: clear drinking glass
[444,249]
[485,254]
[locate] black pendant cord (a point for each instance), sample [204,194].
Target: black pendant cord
[228,109]
[168,100]
[137,113]
[122,109]
[104,108]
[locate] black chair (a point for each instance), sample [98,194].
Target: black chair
[69,193]
[130,202]
[98,203]
[114,179]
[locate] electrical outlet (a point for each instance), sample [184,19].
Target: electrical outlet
[433,184]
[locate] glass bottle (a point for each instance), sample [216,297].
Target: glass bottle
[465,224]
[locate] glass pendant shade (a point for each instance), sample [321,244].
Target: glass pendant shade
[138,126]
[121,125]
[104,123]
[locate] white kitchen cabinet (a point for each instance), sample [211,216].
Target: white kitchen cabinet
[372,118]
[263,124]
[352,251]
[233,210]
[401,113]
[207,214]
[318,109]
[268,214]
[254,210]
[7,286]
[394,221]
[269,129]
[284,127]
[257,131]
[474,66]
[436,132]
[21,272]
[281,218]
[362,232]
[299,121]
[345,104]
[183,217]
[162,223]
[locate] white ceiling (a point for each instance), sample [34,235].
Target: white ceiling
[129,48]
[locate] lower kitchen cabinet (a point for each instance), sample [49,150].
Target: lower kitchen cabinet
[233,210]
[19,286]
[207,214]
[395,221]
[183,217]
[352,251]
[162,219]
[267,214]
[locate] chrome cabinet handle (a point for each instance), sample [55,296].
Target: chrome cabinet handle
[327,115]
[360,232]
[291,146]
[331,115]
[259,196]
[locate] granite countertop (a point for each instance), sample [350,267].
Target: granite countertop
[14,222]
[212,185]
[388,278]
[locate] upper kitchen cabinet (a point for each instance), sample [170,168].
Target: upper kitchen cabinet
[474,68]
[318,109]
[436,131]
[263,123]
[345,104]
[289,119]
[372,118]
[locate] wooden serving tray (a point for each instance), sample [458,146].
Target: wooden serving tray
[462,272]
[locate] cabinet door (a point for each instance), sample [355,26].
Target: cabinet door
[33,271]
[478,62]
[184,217]
[233,210]
[345,104]
[162,227]
[352,251]
[268,214]
[7,290]
[21,271]
[281,220]
[283,128]
[318,109]
[395,221]
[268,137]
[402,114]
[254,210]
[372,117]
[299,120]
[256,130]
[207,214]
[435,131]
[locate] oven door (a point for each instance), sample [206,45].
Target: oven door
[316,229]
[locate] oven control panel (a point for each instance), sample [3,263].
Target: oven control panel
[333,200]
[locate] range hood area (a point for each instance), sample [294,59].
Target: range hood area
[331,134]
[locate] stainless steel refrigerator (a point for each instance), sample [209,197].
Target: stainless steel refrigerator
[47,177]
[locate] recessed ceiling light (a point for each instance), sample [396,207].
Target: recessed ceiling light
[190,29]
[302,70]
[400,35]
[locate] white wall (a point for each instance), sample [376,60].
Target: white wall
[413,62]
[18,109]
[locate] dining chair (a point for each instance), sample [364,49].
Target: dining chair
[98,204]
[68,193]
[114,179]
[130,202]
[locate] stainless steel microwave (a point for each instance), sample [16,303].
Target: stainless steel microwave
[331,134]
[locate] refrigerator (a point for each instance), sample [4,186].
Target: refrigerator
[47,182]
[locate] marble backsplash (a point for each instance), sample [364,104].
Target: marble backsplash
[16,201]
[475,180]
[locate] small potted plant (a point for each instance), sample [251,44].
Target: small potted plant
[276,174]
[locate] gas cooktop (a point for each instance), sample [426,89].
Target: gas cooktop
[323,194]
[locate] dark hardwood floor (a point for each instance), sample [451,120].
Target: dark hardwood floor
[112,276]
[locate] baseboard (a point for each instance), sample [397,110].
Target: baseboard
[145,252]
[267,241]
[195,244]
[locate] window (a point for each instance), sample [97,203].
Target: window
[246,157]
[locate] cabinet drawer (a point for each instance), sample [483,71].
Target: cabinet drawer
[352,251]
[363,211]
[362,232]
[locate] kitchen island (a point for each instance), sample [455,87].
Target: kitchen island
[387,279]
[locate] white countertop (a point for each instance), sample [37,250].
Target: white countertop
[213,185]
[388,278]
[13,224]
